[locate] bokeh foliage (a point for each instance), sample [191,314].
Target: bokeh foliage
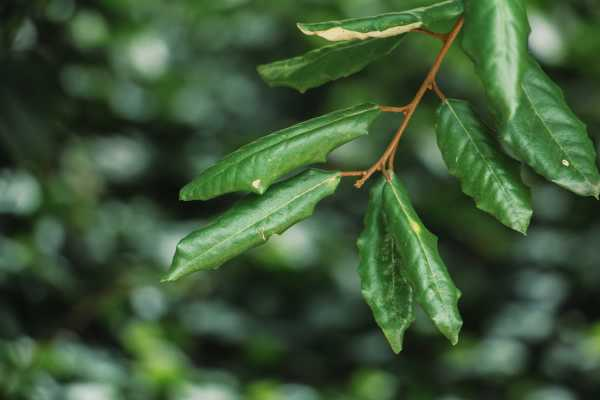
[107,108]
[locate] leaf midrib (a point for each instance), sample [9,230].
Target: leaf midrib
[267,215]
[304,60]
[487,162]
[551,134]
[232,164]
[414,12]
[422,249]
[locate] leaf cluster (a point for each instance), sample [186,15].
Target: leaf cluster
[400,263]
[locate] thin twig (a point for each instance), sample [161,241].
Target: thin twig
[390,152]
[352,173]
[438,91]
[393,109]
[441,36]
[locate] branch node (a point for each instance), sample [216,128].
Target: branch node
[394,109]
[388,157]
[438,91]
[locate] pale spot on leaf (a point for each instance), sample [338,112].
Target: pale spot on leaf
[566,163]
[337,34]
[262,235]
[256,184]
[415,227]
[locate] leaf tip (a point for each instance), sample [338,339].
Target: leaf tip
[187,193]
[452,331]
[174,275]
[454,340]
[396,341]
[303,29]
[450,328]
[523,227]
[263,72]
[596,193]
[183,195]
[167,279]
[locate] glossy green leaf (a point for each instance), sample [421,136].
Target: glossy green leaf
[327,63]
[485,173]
[255,166]
[384,285]
[548,136]
[384,25]
[535,123]
[495,37]
[425,270]
[252,222]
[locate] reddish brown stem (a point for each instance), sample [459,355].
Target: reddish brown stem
[352,173]
[392,109]
[438,91]
[441,36]
[388,156]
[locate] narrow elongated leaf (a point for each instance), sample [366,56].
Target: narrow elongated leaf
[547,135]
[426,272]
[485,173]
[384,25]
[252,222]
[327,63]
[255,166]
[384,286]
[495,37]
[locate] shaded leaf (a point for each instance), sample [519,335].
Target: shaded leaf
[252,222]
[384,25]
[327,63]
[255,166]
[384,286]
[425,270]
[485,173]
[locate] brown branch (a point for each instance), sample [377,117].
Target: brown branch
[352,173]
[428,84]
[441,36]
[392,109]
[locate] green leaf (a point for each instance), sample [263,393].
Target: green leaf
[535,123]
[548,136]
[255,166]
[384,285]
[485,173]
[252,222]
[384,25]
[426,272]
[495,37]
[327,63]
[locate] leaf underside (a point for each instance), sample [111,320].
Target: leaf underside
[255,166]
[384,25]
[327,63]
[252,222]
[535,123]
[384,285]
[486,174]
[425,270]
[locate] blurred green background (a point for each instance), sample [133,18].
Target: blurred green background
[108,107]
